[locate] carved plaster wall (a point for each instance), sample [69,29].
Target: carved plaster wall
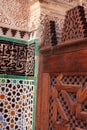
[41,15]
[14,14]
[34,18]
[44,28]
[52,13]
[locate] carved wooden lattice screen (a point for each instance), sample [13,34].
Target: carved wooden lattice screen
[67,102]
[62,87]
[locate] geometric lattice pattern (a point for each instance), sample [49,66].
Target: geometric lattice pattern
[51,100]
[16,104]
[73,121]
[75,80]
[16,58]
[53,81]
[68,79]
[68,102]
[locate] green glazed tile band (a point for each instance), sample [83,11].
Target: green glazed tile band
[16,77]
[35,41]
[12,40]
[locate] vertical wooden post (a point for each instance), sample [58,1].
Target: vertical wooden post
[39,94]
[45,102]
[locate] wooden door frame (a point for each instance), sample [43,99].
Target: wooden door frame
[41,120]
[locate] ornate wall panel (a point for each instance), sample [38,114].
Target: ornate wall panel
[45,27]
[14,14]
[17,59]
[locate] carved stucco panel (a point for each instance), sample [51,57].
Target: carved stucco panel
[44,29]
[14,14]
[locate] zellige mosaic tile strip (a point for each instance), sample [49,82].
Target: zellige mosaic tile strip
[16,104]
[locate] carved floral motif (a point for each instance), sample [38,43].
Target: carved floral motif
[14,13]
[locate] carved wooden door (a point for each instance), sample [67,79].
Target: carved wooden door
[67,102]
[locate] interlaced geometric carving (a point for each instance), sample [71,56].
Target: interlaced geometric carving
[72,96]
[70,104]
[73,121]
